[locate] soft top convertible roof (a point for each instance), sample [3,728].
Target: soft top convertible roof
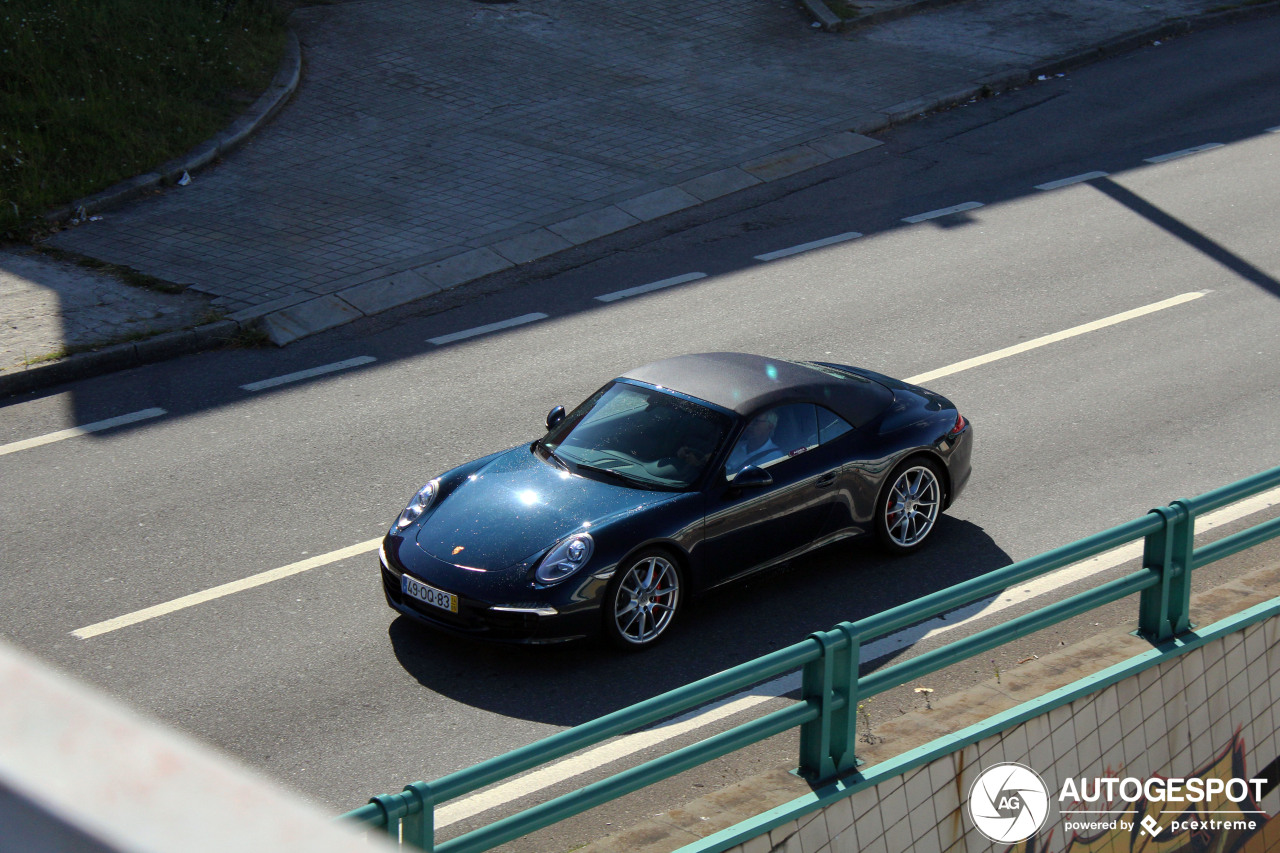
[746,383]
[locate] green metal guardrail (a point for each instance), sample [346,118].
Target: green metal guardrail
[830,686]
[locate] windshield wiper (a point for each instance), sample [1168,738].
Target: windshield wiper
[551,454]
[631,480]
[626,478]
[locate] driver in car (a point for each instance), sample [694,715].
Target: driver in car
[756,445]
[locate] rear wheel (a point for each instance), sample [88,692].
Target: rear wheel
[909,508]
[643,599]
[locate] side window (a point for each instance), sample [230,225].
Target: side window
[830,425]
[775,435]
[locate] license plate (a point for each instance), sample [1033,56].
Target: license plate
[428,594]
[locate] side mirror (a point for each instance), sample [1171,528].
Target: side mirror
[554,417]
[752,477]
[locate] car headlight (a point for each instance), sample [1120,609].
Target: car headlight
[420,503]
[565,558]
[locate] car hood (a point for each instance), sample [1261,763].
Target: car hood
[517,506]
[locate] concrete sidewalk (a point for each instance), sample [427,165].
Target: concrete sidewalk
[431,144]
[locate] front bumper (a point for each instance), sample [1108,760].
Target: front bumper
[477,619]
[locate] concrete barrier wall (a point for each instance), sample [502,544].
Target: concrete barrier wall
[1205,707]
[80,773]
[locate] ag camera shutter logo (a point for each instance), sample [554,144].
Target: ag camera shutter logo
[1008,802]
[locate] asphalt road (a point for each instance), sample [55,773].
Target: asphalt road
[310,677]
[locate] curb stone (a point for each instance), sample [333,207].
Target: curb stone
[822,15]
[118,357]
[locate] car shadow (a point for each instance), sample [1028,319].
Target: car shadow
[572,683]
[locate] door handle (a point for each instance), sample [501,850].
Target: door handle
[825,480]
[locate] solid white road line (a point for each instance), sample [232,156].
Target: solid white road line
[96,426]
[307,374]
[611,751]
[483,330]
[615,750]
[945,211]
[1185,152]
[1055,337]
[372,544]
[804,247]
[226,589]
[651,286]
[1075,179]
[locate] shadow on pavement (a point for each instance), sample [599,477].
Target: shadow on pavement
[568,684]
[1197,240]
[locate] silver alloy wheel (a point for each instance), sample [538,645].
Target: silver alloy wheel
[646,601]
[913,505]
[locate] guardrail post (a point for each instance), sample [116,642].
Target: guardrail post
[418,828]
[1165,610]
[845,757]
[815,689]
[392,806]
[826,744]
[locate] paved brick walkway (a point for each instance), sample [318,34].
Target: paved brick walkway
[424,128]
[432,143]
[39,294]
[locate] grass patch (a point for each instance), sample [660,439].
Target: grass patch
[94,92]
[251,336]
[56,355]
[844,10]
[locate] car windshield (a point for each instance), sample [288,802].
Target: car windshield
[640,435]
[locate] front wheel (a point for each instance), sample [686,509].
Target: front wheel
[642,600]
[909,508]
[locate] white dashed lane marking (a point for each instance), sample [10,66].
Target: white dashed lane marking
[1185,152]
[945,211]
[484,330]
[307,374]
[96,426]
[651,286]
[804,247]
[1075,179]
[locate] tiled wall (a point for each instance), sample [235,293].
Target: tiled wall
[1210,711]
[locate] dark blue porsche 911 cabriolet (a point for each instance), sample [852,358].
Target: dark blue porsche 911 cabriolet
[670,480]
